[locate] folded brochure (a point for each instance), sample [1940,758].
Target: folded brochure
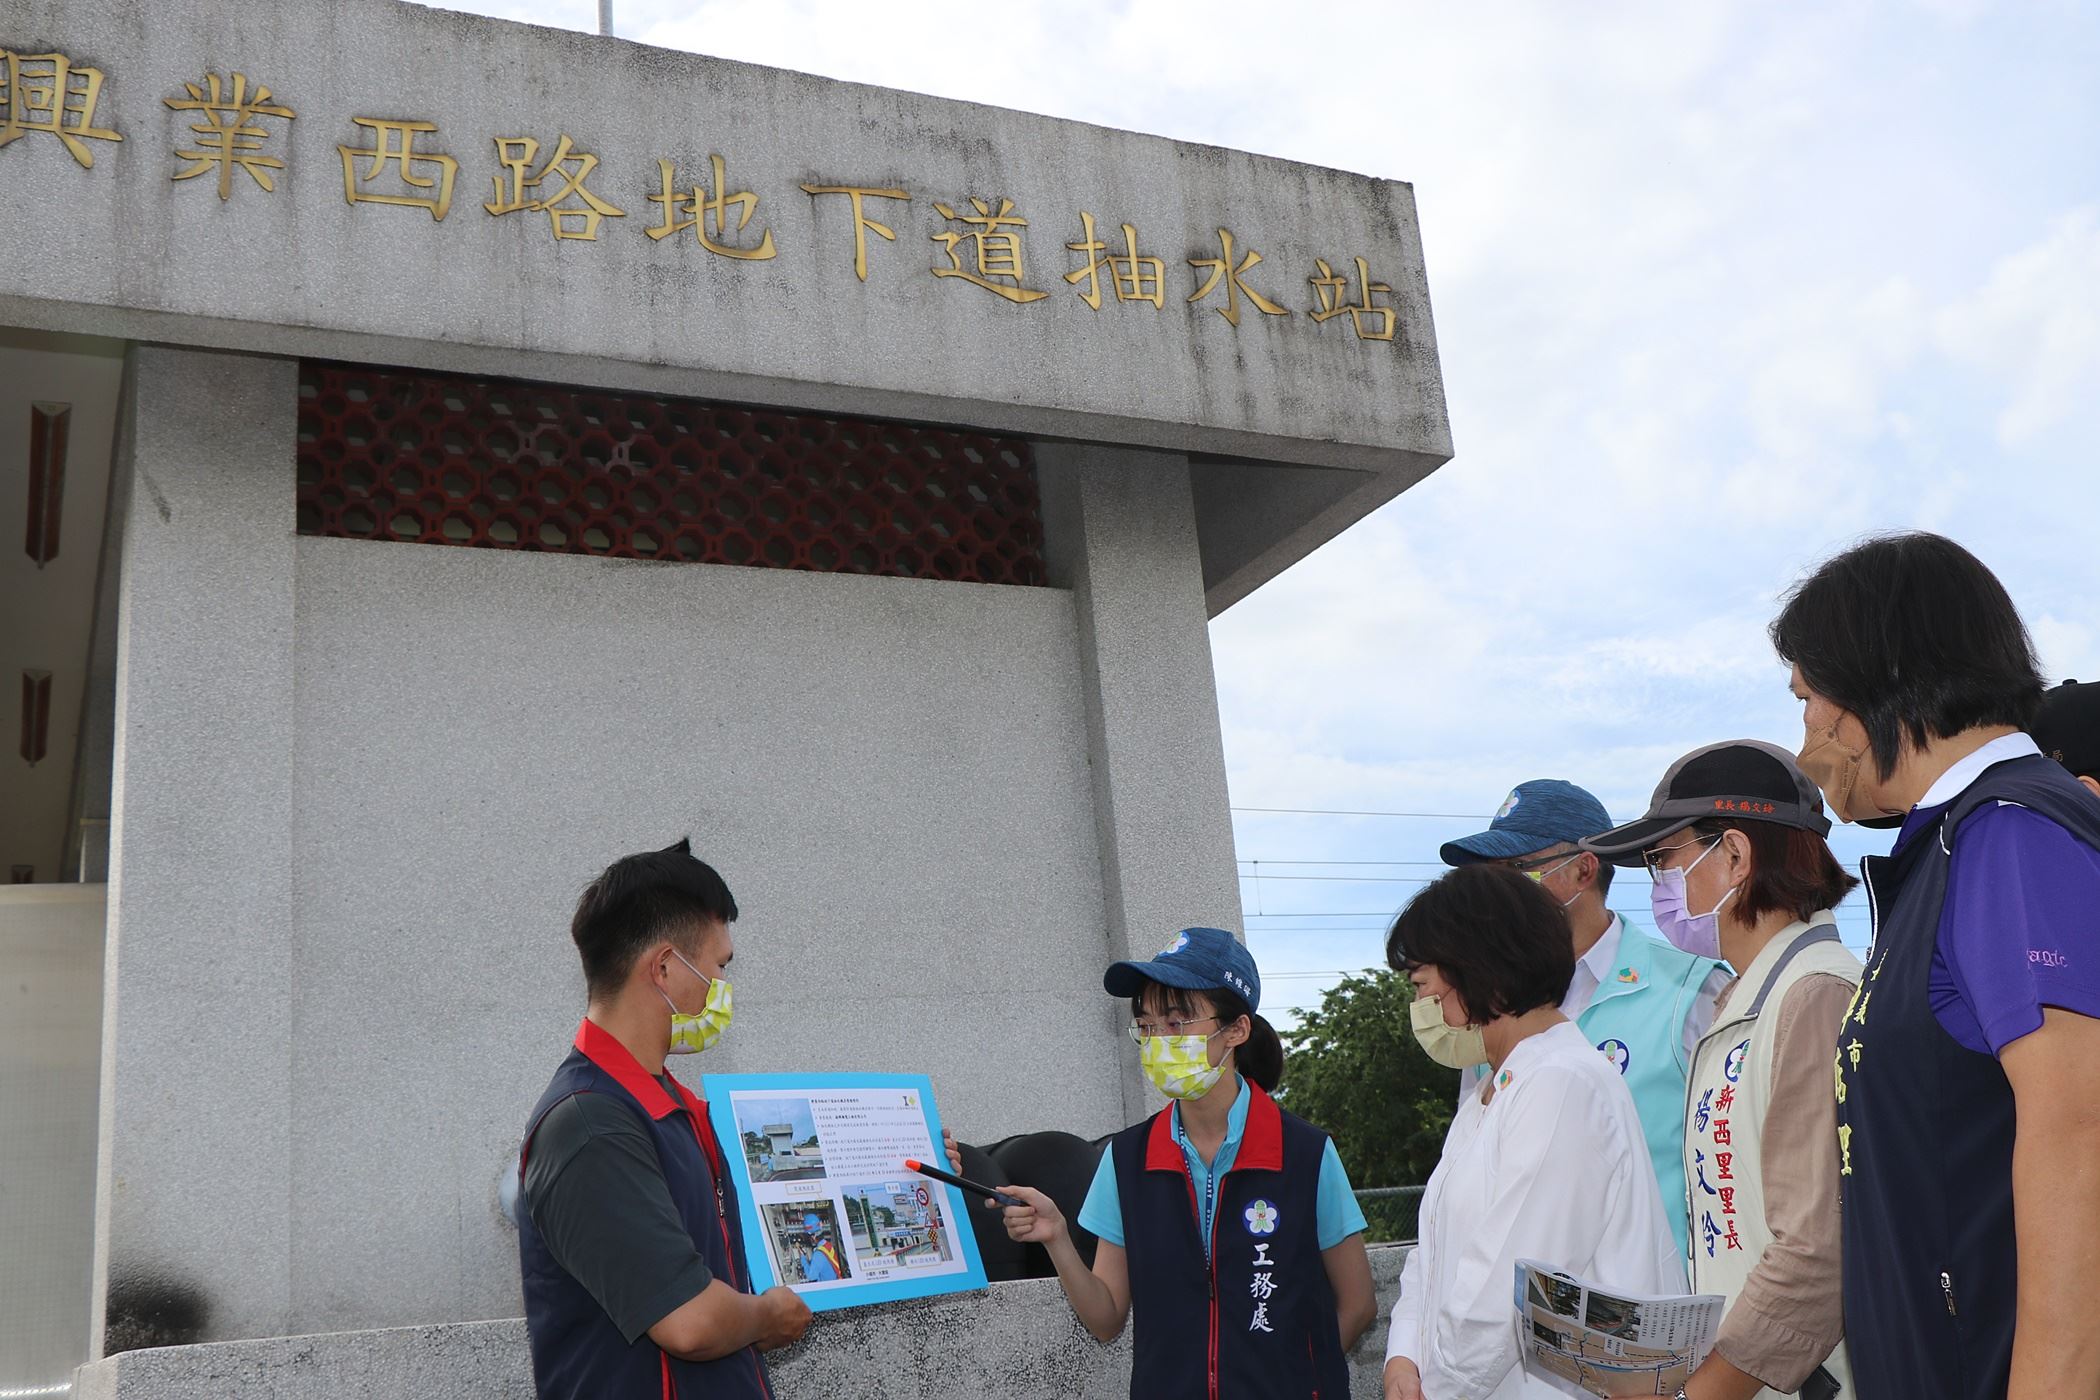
[1610,1343]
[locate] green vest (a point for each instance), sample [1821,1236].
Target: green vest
[1636,1017]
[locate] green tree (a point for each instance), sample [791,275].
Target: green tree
[1353,1067]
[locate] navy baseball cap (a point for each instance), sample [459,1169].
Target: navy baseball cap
[1195,960]
[1543,812]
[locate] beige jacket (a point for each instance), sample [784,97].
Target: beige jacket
[1760,1159]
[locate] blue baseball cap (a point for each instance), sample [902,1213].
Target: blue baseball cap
[1195,960]
[1543,812]
[812,1225]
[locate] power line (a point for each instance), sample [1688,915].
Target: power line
[1265,860]
[1332,812]
[1326,972]
[1347,879]
[1376,930]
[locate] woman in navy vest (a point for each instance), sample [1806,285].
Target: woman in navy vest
[1546,1162]
[1226,1225]
[1968,1068]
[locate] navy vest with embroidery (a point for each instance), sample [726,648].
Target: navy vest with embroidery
[1925,1129]
[577,1352]
[1262,1322]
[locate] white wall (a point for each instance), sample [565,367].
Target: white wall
[50,1040]
[891,774]
[358,787]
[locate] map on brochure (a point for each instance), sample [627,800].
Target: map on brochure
[828,1207]
[1611,1344]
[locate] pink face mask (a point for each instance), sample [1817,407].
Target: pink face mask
[1697,934]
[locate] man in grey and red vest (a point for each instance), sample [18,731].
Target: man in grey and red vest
[628,1230]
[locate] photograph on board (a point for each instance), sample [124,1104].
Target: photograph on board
[780,1139]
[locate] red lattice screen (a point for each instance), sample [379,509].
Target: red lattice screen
[446,459]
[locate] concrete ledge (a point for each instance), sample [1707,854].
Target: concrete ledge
[1018,1341]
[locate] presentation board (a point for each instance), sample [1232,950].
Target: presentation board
[828,1207]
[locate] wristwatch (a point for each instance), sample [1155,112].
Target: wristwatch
[1680,1395]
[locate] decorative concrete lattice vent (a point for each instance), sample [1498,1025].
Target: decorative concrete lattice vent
[448,459]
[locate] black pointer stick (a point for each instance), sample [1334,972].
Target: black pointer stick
[998,1196]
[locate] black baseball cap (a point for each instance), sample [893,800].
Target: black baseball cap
[2067,727]
[1747,779]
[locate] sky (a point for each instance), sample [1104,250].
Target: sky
[1718,289]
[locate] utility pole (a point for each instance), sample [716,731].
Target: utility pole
[605,17]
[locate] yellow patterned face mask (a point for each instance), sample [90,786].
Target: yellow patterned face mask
[692,1034]
[1179,1065]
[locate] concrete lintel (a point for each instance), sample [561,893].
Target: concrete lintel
[1190,365]
[1257,519]
[719,385]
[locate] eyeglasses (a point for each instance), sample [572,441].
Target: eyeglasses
[1537,868]
[1655,858]
[1139,1030]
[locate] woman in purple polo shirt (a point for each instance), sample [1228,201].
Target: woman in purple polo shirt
[1968,1067]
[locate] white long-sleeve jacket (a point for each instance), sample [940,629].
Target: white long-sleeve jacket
[1553,1168]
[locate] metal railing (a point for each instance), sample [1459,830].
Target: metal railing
[1391,1226]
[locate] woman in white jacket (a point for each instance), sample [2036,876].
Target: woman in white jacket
[1546,1162]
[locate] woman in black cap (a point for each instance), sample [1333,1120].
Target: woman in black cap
[1734,840]
[1971,1061]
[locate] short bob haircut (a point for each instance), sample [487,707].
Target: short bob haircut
[1791,870]
[1496,937]
[1914,635]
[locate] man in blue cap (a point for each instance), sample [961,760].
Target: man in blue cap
[824,1263]
[1642,1003]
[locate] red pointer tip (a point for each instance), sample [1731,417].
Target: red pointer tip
[911,1164]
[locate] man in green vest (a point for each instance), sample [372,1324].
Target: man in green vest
[1641,1002]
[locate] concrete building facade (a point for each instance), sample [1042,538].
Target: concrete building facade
[346,780]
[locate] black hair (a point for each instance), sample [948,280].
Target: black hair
[1911,633]
[1496,937]
[1260,1059]
[656,896]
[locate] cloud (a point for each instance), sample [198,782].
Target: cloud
[1719,288]
[2034,327]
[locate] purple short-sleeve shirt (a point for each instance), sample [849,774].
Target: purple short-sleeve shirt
[2020,929]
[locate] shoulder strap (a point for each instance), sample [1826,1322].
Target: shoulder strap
[1808,938]
[2030,781]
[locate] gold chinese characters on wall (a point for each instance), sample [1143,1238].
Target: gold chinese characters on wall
[405,162]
